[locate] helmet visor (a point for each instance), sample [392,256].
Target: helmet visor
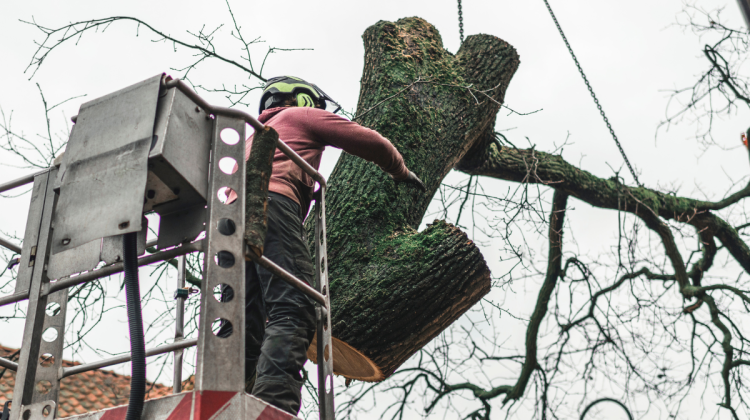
[326,101]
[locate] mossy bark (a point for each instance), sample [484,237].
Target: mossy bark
[393,289]
[488,158]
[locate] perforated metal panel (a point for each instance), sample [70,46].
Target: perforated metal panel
[217,354]
[325,343]
[39,362]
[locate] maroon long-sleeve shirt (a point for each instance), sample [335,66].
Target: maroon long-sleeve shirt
[308,131]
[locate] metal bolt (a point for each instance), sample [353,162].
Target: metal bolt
[197,109]
[183,293]
[66,241]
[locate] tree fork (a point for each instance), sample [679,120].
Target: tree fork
[393,289]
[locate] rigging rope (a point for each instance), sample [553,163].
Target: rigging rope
[588,85]
[460,22]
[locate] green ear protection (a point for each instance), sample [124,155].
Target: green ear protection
[304,100]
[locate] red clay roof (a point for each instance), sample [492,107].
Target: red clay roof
[89,391]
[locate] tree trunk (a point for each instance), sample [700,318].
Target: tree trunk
[393,289]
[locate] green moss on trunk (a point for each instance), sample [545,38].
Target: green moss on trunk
[394,289]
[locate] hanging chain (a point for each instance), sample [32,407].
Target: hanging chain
[588,85]
[460,22]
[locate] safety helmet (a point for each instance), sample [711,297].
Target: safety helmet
[308,94]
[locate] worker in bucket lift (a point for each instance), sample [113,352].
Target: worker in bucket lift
[276,350]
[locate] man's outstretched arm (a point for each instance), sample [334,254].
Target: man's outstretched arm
[362,142]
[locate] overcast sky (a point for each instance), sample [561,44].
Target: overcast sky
[631,52]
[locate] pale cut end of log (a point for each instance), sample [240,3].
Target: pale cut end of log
[348,361]
[353,364]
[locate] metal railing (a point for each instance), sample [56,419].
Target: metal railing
[41,291]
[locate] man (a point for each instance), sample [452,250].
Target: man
[276,351]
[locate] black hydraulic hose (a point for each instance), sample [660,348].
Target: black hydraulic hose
[135,324]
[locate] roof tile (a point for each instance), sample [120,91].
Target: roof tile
[92,391]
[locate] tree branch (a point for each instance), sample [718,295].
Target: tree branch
[489,158]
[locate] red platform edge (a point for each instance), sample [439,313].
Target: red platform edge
[198,405]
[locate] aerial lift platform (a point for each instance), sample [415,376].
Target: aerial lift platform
[156,146]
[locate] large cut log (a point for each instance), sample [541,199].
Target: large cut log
[393,289]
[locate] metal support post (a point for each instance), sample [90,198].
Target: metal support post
[220,364]
[37,384]
[51,352]
[179,325]
[325,344]
[31,234]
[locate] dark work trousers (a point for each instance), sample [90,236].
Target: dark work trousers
[277,349]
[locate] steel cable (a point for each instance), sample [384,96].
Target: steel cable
[588,85]
[460,22]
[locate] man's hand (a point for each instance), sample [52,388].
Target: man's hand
[414,180]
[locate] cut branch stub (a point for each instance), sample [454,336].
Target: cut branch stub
[393,289]
[258,174]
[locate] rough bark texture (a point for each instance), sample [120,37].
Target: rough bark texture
[257,175]
[393,289]
[488,158]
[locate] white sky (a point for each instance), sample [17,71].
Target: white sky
[629,50]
